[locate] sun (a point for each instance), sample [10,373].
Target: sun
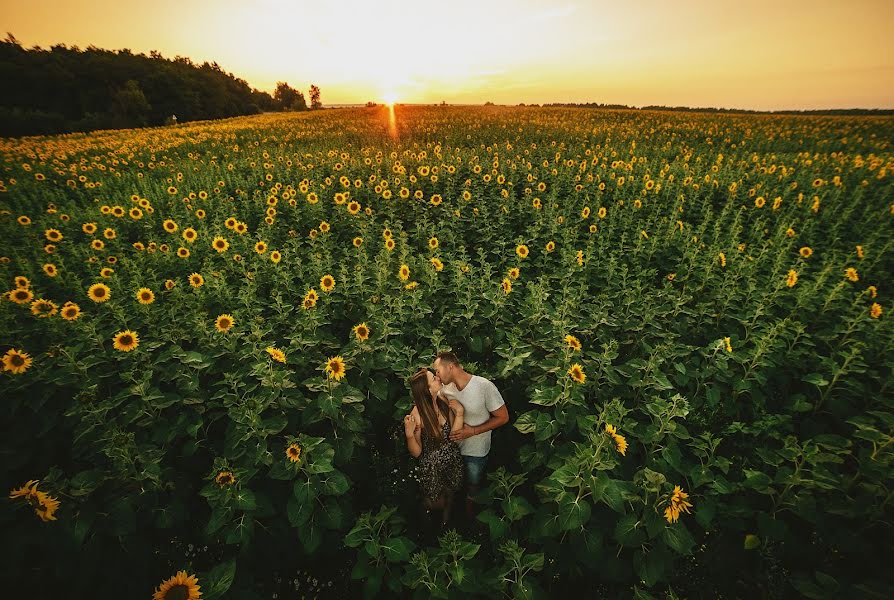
[390,97]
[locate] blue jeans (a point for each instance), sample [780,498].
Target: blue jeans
[474,470]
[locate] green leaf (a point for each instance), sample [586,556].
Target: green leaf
[573,512]
[516,507]
[398,549]
[335,484]
[219,580]
[245,499]
[677,537]
[815,379]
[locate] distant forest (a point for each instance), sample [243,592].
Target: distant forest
[830,111]
[62,90]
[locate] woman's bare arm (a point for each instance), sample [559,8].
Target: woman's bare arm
[412,433]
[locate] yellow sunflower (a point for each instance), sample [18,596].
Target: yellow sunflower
[261,247]
[22,282]
[577,373]
[276,354]
[404,272]
[514,272]
[293,451]
[573,342]
[220,244]
[169,225]
[70,311]
[275,256]
[327,283]
[50,269]
[433,243]
[225,478]
[43,308]
[792,278]
[145,296]
[806,251]
[389,244]
[189,234]
[224,322]
[507,285]
[361,331]
[179,587]
[16,361]
[20,295]
[358,241]
[53,235]
[353,207]
[196,280]
[437,264]
[335,368]
[99,292]
[126,340]
[522,251]
[550,246]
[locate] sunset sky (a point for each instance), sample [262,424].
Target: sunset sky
[759,54]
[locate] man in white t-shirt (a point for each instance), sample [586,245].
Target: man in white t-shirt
[485,410]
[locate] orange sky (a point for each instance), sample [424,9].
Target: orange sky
[764,55]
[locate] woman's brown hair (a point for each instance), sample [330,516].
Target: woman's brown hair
[422,400]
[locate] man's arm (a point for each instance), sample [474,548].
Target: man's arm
[498,418]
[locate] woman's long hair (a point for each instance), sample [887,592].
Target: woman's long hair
[422,400]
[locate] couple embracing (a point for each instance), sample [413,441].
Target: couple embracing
[449,428]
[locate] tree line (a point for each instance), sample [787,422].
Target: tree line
[65,89]
[827,111]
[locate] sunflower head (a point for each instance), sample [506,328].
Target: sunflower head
[576,372]
[225,478]
[126,340]
[276,354]
[404,272]
[335,368]
[293,452]
[70,311]
[507,285]
[220,244]
[196,280]
[224,322]
[573,342]
[362,332]
[16,361]
[99,292]
[145,296]
[21,295]
[327,283]
[522,251]
[179,587]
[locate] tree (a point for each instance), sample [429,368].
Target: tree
[315,98]
[129,104]
[288,98]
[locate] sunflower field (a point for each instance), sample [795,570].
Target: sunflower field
[207,331]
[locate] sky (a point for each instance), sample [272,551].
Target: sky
[753,54]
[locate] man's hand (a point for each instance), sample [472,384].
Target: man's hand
[410,426]
[461,434]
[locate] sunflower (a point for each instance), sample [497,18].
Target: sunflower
[169,284]
[860,252]
[353,207]
[507,285]
[261,247]
[550,246]
[677,503]
[324,227]
[240,228]
[89,228]
[312,198]
[522,251]
[169,225]
[728,344]
[573,342]
[220,244]
[308,303]
[106,272]
[433,243]
[189,234]
[225,478]
[585,212]
[412,285]
[126,340]
[722,258]
[404,272]
[224,322]
[875,311]
[851,274]
[312,294]
[24,220]
[806,251]
[386,233]
[99,292]
[620,441]
[70,311]
[53,235]
[97,244]
[135,213]
[117,211]
[358,241]
[601,212]
[109,233]
[145,296]
[16,361]
[275,256]
[181,586]
[389,244]
[873,291]
[335,368]
[183,252]
[231,223]
[792,278]
[22,282]
[577,373]
[759,201]
[43,308]
[20,295]
[293,451]
[436,200]
[514,272]
[790,232]
[277,355]
[437,264]
[361,331]
[196,280]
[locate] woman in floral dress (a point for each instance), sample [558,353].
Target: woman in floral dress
[427,429]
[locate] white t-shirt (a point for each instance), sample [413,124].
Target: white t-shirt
[479,398]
